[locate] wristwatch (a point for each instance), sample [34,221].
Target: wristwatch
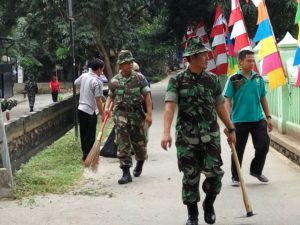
[269,117]
[230,130]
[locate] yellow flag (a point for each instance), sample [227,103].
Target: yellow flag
[276,78]
[267,47]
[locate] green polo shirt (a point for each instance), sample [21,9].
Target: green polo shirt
[245,95]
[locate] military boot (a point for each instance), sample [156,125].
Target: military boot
[208,207]
[193,214]
[138,168]
[126,177]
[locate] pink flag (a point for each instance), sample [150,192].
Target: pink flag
[271,62]
[298,79]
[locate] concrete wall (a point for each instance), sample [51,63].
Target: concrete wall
[43,87]
[31,133]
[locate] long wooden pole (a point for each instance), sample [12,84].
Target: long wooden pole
[243,187]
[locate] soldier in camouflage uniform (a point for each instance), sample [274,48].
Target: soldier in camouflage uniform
[198,95]
[7,105]
[31,89]
[127,91]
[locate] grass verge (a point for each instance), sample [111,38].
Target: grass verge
[53,170]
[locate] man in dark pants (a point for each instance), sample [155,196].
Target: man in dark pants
[90,104]
[247,91]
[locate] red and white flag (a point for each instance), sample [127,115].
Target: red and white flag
[189,33]
[200,32]
[219,42]
[238,32]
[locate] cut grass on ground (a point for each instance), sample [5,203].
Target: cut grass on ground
[53,170]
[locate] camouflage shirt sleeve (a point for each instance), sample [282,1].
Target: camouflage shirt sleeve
[218,92]
[8,104]
[172,93]
[144,84]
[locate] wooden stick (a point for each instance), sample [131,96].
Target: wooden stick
[243,187]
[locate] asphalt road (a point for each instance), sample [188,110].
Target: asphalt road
[155,197]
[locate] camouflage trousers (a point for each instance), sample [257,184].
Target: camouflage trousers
[31,99]
[194,160]
[130,137]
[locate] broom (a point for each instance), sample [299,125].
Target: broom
[92,160]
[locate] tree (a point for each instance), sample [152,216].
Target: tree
[112,24]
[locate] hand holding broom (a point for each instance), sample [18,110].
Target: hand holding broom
[92,160]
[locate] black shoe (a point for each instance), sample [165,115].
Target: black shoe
[261,177]
[209,211]
[31,109]
[126,177]
[138,169]
[192,221]
[193,214]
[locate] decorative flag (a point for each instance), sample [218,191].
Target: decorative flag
[297,55]
[189,33]
[219,42]
[239,32]
[268,52]
[200,32]
[233,65]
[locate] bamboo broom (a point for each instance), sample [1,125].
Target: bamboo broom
[92,160]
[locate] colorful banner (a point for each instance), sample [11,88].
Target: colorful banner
[297,55]
[271,62]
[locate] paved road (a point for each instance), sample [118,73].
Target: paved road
[155,197]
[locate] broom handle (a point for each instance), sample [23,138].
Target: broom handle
[104,123]
[243,187]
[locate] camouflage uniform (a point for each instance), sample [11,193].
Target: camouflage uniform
[128,114]
[8,104]
[197,130]
[31,89]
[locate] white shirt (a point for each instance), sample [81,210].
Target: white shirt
[90,88]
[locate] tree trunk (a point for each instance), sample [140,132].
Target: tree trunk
[108,65]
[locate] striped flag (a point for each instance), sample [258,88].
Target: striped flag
[268,52]
[200,32]
[238,32]
[297,55]
[219,42]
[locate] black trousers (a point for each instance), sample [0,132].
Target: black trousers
[261,141]
[87,131]
[54,96]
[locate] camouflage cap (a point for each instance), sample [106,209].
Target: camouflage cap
[125,56]
[194,46]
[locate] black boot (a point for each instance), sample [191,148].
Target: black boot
[126,177]
[193,214]
[208,207]
[31,109]
[138,168]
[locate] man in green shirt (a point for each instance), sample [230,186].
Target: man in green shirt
[246,98]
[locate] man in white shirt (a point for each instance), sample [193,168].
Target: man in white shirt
[90,104]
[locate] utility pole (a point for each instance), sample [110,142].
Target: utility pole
[71,19]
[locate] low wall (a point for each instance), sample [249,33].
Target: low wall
[43,87]
[32,132]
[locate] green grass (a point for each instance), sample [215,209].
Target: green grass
[54,170]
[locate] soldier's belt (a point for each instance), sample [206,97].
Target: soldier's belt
[127,109]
